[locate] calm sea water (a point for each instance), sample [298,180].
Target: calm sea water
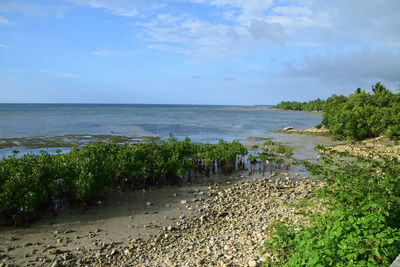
[199,123]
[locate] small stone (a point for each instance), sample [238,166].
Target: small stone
[149,204]
[170,228]
[184,201]
[252,263]
[127,252]
[55,263]
[55,251]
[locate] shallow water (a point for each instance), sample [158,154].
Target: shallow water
[199,123]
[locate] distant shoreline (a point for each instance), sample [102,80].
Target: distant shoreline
[305,111]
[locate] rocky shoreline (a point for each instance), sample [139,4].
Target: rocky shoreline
[226,228]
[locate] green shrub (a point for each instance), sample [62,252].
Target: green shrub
[364,115]
[361,226]
[87,173]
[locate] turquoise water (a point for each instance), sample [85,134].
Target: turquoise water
[199,123]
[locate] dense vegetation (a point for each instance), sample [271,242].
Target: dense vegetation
[30,182]
[364,115]
[313,105]
[360,115]
[361,226]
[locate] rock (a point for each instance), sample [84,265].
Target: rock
[148,204]
[127,252]
[184,201]
[91,235]
[252,263]
[55,263]
[55,251]
[288,128]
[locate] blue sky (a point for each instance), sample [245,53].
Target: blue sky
[244,52]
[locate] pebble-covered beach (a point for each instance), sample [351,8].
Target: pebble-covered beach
[226,227]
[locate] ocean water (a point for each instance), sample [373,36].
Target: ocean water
[199,123]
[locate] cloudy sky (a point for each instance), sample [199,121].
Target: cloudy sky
[195,51]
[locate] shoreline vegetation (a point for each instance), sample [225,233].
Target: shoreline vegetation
[310,106]
[359,116]
[86,174]
[347,213]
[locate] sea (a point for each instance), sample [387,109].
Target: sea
[201,123]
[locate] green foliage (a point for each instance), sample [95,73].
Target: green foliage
[87,173]
[362,224]
[272,153]
[313,105]
[364,115]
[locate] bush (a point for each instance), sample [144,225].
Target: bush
[87,173]
[362,224]
[364,115]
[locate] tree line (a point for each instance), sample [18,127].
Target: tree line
[360,115]
[313,105]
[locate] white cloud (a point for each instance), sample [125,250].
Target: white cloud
[4,46]
[5,21]
[264,30]
[127,8]
[108,53]
[365,65]
[249,9]
[199,38]
[249,26]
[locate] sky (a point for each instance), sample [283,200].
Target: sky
[231,52]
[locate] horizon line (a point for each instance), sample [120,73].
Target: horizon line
[161,104]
